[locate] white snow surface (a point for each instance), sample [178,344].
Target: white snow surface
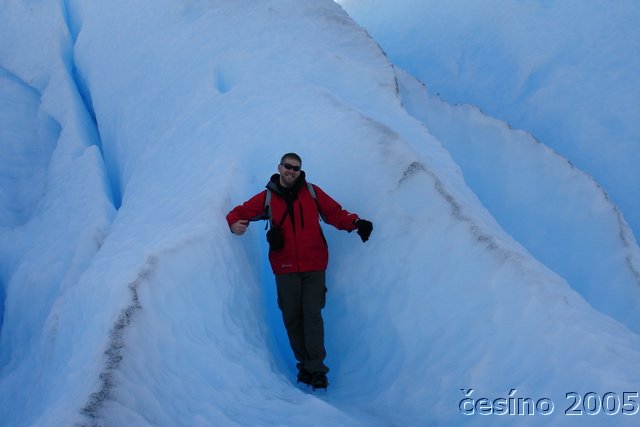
[565,71]
[129,129]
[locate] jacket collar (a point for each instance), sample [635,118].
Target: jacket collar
[274,185]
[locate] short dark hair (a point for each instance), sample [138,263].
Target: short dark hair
[293,156]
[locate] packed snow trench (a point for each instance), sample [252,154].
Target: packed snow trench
[129,130]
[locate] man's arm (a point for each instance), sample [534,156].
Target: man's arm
[333,212]
[238,218]
[340,218]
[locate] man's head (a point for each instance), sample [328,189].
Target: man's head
[289,169]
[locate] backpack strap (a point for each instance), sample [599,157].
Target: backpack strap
[312,191]
[267,204]
[267,209]
[315,197]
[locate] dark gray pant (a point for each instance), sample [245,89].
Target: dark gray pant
[301,298]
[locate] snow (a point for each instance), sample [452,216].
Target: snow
[129,130]
[564,71]
[575,239]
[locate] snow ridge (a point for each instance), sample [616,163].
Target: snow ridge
[25,152]
[566,72]
[115,349]
[556,211]
[73,22]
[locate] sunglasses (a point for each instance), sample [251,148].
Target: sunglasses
[289,167]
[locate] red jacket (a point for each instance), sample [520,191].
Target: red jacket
[305,248]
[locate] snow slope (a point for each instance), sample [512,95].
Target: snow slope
[565,71]
[127,300]
[555,210]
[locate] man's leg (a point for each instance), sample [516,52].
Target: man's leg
[290,304]
[313,300]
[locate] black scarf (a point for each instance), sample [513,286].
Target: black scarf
[289,194]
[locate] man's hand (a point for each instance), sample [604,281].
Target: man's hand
[364,229]
[239,227]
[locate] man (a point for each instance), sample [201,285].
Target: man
[300,264]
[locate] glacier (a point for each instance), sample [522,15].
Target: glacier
[563,71]
[129,129]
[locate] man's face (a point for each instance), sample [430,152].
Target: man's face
[287,173]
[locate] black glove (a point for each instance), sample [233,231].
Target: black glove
[364,229]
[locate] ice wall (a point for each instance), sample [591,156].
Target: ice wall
[563,71]
[138,306]
[556,211]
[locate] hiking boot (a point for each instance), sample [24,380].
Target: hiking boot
[304,376]
[319,380]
